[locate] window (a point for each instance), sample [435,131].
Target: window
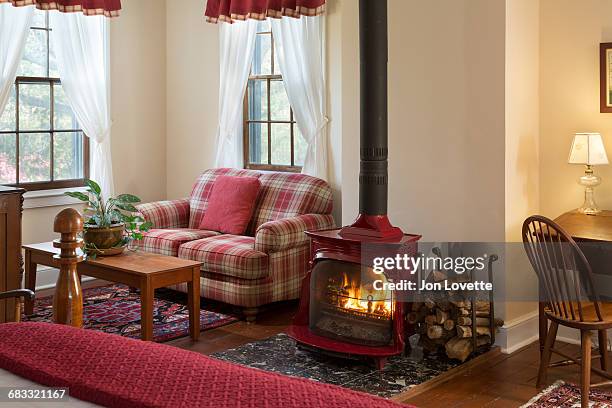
[41,144]
[272,140]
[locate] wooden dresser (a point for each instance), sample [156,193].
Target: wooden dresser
[11,264]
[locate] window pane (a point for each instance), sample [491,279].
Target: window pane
[67,156]
[279,103]
[34,61]
[63,116]
[8,168]
[8,118]
[281,144]
[299,146]
[34,157]
[258,143]
[258,100]
[34,109]
[262,58]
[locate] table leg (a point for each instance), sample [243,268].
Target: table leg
[30,281]
[193,290]
[147,295]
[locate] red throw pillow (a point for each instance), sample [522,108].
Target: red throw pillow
[231,204]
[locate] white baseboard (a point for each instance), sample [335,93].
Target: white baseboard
[518,333]
[46,277]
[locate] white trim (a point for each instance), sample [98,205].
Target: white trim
[518,332]
[50,198]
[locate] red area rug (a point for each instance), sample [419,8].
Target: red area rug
[115,309]
[565,395]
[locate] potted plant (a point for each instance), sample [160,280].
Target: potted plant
[110,225]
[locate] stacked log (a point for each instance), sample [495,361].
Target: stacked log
[449,325]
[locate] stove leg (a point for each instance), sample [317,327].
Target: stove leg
[380,362]
[250,314]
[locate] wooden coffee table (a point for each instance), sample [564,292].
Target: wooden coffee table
[141,270]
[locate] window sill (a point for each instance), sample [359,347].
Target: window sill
[50,198]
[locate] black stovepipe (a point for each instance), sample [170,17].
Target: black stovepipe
[373,42]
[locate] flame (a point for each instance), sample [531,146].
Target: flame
[364,298]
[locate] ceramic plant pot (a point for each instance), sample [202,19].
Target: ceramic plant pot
[103,238]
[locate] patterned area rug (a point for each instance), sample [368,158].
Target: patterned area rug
[565,395]
[116,309]
[279,354]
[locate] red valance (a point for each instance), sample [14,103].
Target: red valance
[109,8]
[230,10]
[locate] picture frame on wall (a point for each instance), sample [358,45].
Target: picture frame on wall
[605,77]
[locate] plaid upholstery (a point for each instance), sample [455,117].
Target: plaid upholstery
[168,241]
[284,195]
[231,255]
[283,234]
[166,214]
[268,263]
[198,201]
[287,270]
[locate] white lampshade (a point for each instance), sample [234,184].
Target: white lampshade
[588,148]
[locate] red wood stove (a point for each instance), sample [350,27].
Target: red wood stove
[341,311]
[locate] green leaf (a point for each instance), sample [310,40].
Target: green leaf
[145,226]
[95,187]
[128,198]
[78,195]
[126,207]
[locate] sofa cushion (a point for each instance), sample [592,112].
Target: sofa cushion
[168,241]
[231,204]
[200,194]
[284,195]
[230,255]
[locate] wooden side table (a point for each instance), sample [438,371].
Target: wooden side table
[583,228]
[142,270]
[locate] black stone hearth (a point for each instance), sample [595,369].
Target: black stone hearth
[279,354]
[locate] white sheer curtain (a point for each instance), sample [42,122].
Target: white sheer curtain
[236,46]
[300,47]
[14,29]
[82,52]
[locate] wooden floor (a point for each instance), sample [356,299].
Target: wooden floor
[500,381]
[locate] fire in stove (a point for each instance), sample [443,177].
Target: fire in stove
[363,300]
[344,304]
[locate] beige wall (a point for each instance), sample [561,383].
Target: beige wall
[446,117]
[193,94]
[138,70]
[522,146]
[569,98]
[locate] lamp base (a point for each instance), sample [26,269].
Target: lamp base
[589,181]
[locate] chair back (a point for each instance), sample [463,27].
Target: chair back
[564,274]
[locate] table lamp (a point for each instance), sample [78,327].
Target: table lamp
[588,149]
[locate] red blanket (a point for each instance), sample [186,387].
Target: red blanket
[119,372]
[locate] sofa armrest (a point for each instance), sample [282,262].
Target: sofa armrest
[288,233]
[166,214]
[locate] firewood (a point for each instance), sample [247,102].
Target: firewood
[459,348]
[464,321]
[430,303]
[461,303]
[441,316]
[449,324]
[435,332]
[430,320]
[482,306]
[443,305]
[431,345]
[462,311]
[464,331]
[417,316]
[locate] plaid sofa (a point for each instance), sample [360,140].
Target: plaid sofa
[266,264]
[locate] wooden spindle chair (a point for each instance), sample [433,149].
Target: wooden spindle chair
[572,300]
[17,294]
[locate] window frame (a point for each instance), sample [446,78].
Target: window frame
[267,79]
[52,82]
